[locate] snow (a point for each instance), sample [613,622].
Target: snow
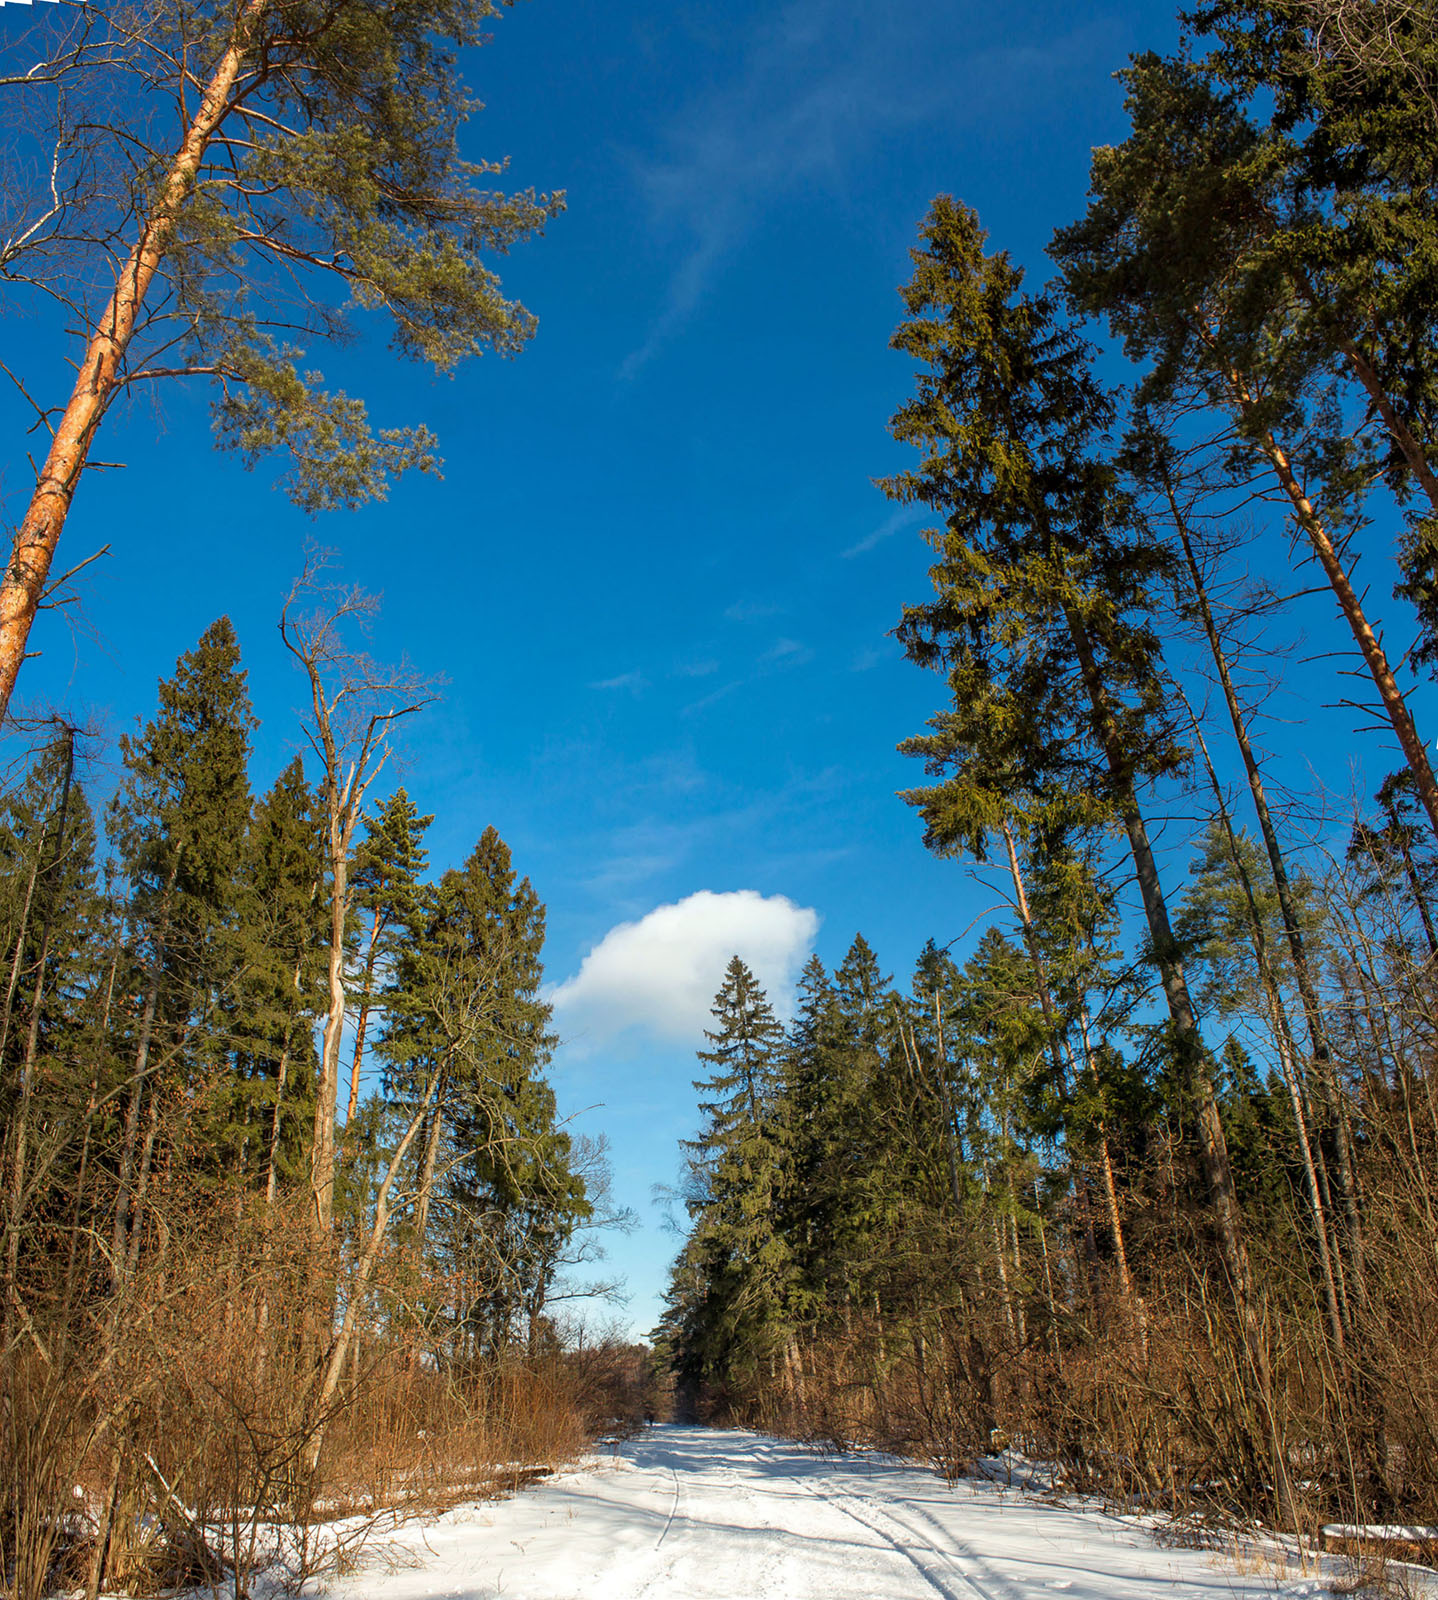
[702,1514]
[1379,1530]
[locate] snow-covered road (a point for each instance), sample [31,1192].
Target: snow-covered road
[702,1514]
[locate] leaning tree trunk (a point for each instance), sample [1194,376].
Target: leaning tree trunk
[1283,1040]
[1370,647]
[98,381]
[1402,435]
[1292,928]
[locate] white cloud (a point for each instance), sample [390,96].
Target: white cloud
[660,974]
[626,680]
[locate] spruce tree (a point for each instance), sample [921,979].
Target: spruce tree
[178,825]
[49,1065]
[1040,613]
[279,997]
[389,866]
[515,1189]
[815,1125]
[740,1163]
[495,1190]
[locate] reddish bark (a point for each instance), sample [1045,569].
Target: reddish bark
[23,586]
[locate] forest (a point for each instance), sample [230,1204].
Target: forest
[1139,1178]
[288,1222]
[1146,1183]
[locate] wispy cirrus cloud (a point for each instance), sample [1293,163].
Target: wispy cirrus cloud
[789,117]
[789,652]
[633,681]
[813,93]
[897,520]
[714,696]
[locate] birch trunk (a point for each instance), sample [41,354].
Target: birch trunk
[362,1020]
[364,1271]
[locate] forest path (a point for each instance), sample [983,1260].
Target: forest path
[684,1513]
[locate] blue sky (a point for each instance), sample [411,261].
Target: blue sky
[656,575]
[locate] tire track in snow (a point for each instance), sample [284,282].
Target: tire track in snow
[673,1509]
[1002,1588]
[762,1582]
[660,1579]
[940,1580]
[992,1587]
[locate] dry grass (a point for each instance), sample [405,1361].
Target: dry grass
[184,1409]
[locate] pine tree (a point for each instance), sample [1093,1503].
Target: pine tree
[1212,258]
[317,155]
[1346,103]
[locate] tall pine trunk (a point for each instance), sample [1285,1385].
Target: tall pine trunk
[1192,1053]
[99,380]
[1193,1062]
[1370,647]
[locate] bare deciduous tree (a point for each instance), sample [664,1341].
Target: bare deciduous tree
[354,703]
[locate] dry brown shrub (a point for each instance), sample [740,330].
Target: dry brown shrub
[183,1406]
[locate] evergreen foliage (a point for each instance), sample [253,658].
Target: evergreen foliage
[164,991]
